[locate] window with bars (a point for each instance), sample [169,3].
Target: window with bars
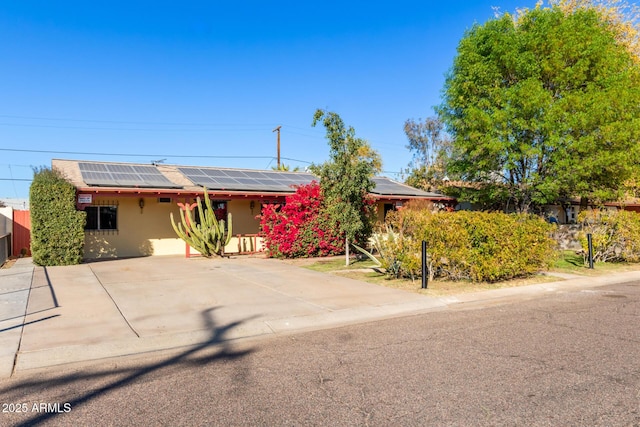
[101,218]
[219,210]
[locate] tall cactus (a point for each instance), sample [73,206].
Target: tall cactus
[210,236]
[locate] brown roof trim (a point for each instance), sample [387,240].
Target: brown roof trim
[385,197]
[160,192]
[137,192]
[622,204]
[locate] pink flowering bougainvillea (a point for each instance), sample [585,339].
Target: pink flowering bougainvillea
[301,227]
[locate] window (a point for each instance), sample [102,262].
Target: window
[571,215]
[219,209]
[101,218]
[387,208]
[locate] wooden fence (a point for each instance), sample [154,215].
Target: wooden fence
[21,233]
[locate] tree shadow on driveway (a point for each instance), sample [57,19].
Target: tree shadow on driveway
[217,347]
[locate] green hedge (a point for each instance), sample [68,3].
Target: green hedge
[57,228]
[478,246]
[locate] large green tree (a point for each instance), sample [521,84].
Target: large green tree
[543,107]
[345,178]
[620,16]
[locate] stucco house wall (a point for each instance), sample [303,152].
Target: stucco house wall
[246,225]
[6,220]
[6,228]
[147,231]
[140,231]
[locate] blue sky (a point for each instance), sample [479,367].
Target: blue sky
[114,80]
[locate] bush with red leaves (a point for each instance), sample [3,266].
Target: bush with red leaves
[301,227]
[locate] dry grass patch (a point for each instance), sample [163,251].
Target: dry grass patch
[330,264]
[8,263]
[442,287]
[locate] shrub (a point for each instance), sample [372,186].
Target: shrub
[615,235]
[479,246]
[209,235]
[57,228]
[388,246]
[301,227]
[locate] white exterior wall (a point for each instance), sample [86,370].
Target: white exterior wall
[6,220]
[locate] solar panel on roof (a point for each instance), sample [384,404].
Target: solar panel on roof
[385,186]
[263,175]
[224,179]
[128,180]
[110,175]
[213,174]
[248,181]
[236,174]
[197,171]
[143,169]
[91,167]
[239,180]
[99,175]
[118,168]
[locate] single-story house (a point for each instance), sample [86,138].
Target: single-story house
[567,213]
[128,205]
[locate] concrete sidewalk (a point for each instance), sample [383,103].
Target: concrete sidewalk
[15,284]
[61,315]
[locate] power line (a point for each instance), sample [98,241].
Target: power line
[319,130]
[14,165]
[290,132]
[81,153]
[374,143]
[127,122]
[296,160]
[132,122]
[134,129]
[12,181]
[229,127]
[236,126]
[59,119]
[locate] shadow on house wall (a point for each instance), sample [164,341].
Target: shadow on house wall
[102,246]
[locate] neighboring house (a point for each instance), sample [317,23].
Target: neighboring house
[15,233]
[6,229]
[18,204]
[128,205]
[567,213]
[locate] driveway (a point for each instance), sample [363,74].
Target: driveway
[120,307]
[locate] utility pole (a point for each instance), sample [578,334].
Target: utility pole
[278,130]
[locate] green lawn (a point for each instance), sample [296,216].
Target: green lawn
[570,262]
[567,263]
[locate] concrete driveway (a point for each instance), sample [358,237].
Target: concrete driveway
[128,306]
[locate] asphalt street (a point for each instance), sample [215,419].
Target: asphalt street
[567,359]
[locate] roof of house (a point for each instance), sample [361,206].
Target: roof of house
[18,204]
[148,178]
